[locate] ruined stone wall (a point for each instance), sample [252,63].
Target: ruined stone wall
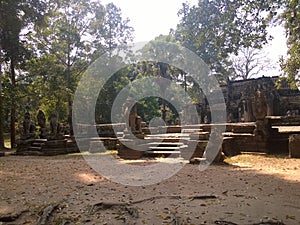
[279,101]
[239,96]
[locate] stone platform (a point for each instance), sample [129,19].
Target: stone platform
[46,147]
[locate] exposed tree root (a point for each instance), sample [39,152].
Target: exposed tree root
[46,213]
[121,206]
[109,205]
[270,223]
[11,217]
[222,222]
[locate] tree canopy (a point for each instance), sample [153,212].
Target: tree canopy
[291,19]
[214,29]
[46,45]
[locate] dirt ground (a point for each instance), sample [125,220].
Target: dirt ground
[249,189]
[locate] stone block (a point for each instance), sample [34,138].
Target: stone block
[128,153]
[96,146]
[294,146]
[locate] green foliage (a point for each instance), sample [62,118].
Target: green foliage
[15,15]
[148,108]
[46,45]
[114,32]
[217,28]
[108,93]
[76,34]
[291,65]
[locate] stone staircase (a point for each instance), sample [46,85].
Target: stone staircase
[169,147]
[166,145]
[190,141]
[37,144]
[46,147]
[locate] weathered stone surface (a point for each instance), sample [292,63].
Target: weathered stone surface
[110,130]
[242,128]
[173,129]
[197,152]
[28,131]
[55,143]
[229,147]
[294,146]
[127,153]
[57,151]
[110,143]
[278,143]
[96,146]
[41,119]
[46,147]
[200,136]
[233,144]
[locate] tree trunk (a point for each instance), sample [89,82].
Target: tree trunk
[13,106]
[70,115]
[164,111]
[69,87]
[1,114]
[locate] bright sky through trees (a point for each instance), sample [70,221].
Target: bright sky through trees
[155,17]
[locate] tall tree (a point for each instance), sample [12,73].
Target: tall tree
[113,33]
[249,62]
[217,28]
[14,16]
[291,19]
[77,32]
[1,113]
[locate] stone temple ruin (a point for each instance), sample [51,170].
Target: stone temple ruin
[257,112]
[49,141]
[260,118]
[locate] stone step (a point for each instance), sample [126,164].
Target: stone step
[35,148]
[120,134]
[192,130]
[31,153]
[38,144]
[163,152]
[200,136]
[236,135]
[168,135]
[167,144]
[58,151]
[192,126]
[164,148]
[166,139]
[40,140]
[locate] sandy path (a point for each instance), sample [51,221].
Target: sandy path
[257,188]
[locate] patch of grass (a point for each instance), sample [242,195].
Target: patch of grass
[229,160]
[111,152]
[277,156]
[259,160]
[60,220]
[114,153]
